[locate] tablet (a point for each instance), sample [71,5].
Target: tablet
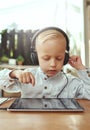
[45,104]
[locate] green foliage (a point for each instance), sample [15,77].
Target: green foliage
[4,59]
[20,58]
[3,31]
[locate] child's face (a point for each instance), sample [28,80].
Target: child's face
[51,54]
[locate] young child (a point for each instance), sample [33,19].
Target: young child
[48,80]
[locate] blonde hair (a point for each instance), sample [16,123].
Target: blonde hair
[47,35]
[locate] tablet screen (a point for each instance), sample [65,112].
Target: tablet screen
[45,104]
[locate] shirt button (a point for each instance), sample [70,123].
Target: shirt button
[45,87]
[88,73]
[45,78]
[45,105]
[43,96]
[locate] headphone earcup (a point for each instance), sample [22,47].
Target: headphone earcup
[34,58]
[66,58]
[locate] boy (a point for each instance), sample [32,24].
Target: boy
[48,80]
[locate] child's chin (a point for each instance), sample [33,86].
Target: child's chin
[50,75]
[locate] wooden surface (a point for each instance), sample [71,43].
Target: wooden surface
[5,94]
[3,66]
[45,120]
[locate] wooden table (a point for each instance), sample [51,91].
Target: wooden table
[3,66]
[46,120]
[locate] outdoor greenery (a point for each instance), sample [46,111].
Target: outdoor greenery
[4,59]
[20,60]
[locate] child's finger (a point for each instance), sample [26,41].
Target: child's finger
[32,79]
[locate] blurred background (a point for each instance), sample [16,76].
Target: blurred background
[20,19]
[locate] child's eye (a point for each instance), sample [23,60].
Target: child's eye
[46,58]
[59,58]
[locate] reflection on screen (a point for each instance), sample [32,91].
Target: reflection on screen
[48,103]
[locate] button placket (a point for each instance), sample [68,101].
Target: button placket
[45,87]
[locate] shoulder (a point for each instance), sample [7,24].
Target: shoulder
[72,78]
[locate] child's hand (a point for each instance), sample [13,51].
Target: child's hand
[76,62]
[23,77]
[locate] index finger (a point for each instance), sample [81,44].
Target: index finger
[32,79]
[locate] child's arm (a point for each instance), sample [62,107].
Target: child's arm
[76,62]
[23,77]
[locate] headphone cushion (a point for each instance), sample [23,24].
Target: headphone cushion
[34,58]
[66,58]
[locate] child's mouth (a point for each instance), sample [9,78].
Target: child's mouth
[52,72]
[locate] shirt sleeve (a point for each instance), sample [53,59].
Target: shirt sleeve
[84,75]
[7,83]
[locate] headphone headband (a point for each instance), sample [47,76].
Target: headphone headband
[50,28]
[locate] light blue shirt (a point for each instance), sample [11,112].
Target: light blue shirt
[59,86]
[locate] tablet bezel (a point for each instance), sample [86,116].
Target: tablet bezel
[12,107]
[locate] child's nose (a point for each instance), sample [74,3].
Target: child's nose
[52,62]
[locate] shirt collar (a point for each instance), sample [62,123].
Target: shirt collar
[46,77]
